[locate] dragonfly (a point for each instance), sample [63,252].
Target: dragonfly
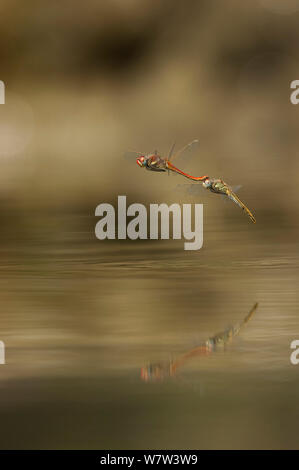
[155,162]
[161,371]
[218,186]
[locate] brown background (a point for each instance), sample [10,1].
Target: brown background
[85,82]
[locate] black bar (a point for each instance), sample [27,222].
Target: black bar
[138,458]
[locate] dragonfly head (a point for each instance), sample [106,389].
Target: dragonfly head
[207,183]
[141,161]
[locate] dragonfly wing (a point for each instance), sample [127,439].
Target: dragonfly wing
[190,189]
[171,151]
[169,158]
[185,155]
[131,155]
[236,188]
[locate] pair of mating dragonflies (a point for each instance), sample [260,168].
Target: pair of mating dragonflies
[155,162]
[163,370]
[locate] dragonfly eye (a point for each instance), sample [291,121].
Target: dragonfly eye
[206,183]
[140,161]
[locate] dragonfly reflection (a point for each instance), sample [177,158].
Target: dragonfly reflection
[163,370]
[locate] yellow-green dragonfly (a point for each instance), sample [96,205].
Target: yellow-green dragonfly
[218,186]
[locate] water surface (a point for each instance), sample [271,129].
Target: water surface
[80,318]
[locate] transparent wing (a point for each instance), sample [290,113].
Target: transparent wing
[184,156]
[235,189]
[196,189]
[132,155]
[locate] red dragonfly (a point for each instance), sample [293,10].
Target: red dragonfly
[160,371]
[155,162]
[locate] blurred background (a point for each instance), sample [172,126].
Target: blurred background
[85,82]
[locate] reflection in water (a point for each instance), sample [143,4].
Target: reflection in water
[160,371]
[79,318]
